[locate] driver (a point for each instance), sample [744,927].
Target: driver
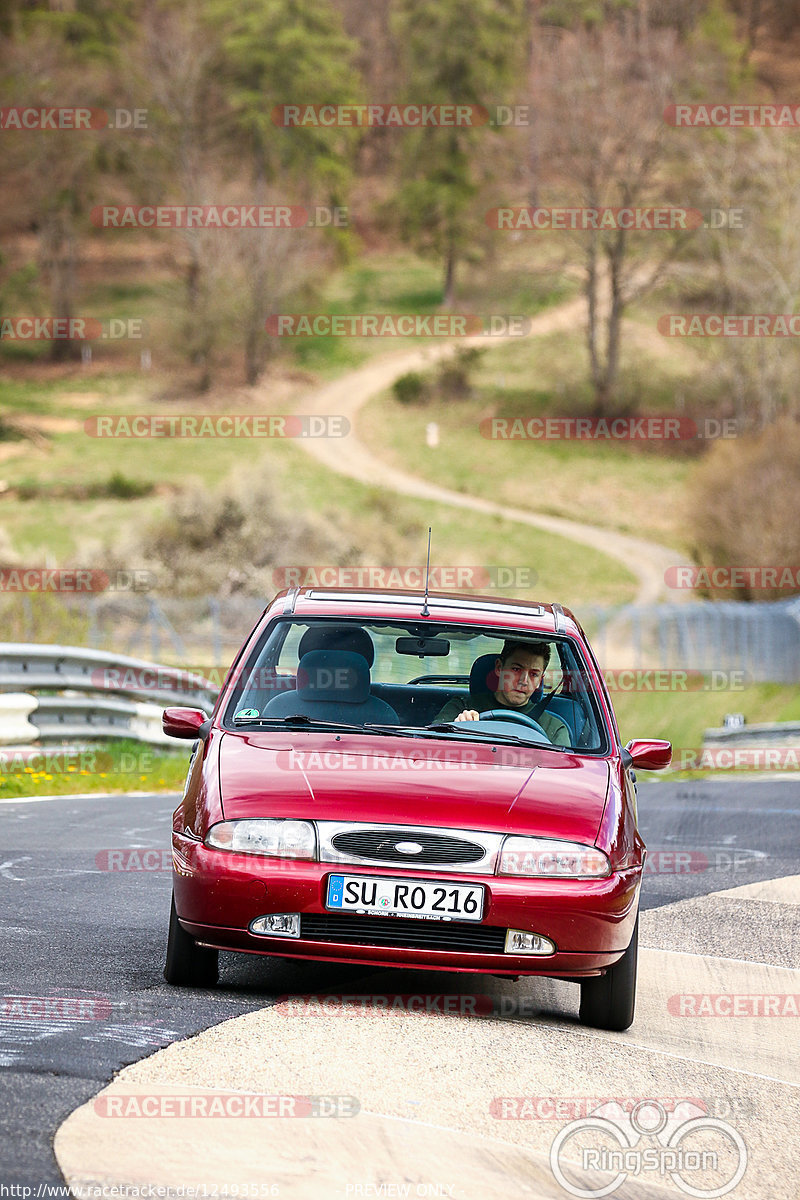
[520,667]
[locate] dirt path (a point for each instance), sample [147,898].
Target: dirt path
[346,396]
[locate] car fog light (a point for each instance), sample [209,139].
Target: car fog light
[520,942]
[277,925]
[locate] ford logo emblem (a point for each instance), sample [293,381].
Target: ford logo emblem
[408,848]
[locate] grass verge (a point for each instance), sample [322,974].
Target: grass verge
[114,766]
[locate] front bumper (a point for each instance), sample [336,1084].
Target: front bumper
[218,894]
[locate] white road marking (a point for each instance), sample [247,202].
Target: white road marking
[5,868]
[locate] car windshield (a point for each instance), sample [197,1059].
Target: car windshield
[418,680]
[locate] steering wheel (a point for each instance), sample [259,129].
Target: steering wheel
[505,714]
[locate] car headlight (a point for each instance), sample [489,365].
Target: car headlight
[279,838]
[548,858]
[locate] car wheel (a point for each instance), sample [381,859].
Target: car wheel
[608,1001]
[187,964]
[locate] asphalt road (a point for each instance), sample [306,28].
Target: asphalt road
[81,993]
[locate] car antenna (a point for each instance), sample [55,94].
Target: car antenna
[425,610]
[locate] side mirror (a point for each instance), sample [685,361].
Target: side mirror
[647,754]
[183,722]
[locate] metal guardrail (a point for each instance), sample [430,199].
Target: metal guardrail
[777,733]
[77,686]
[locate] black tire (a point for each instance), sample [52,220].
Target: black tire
[187,964]
[609,1001]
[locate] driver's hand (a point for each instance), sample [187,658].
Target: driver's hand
[469,714]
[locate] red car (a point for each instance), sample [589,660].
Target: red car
[397,780]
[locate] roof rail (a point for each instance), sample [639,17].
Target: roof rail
[291,599]
[560,619]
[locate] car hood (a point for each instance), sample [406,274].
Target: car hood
[403,783]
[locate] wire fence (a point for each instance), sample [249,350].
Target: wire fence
[760,640]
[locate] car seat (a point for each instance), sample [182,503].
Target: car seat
[332,685]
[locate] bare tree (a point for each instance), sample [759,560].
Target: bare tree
[172,70]
[60,169]
[599,98]
[751,264]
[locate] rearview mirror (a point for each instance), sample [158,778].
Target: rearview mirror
[425,647]
[183,722]
[647,754]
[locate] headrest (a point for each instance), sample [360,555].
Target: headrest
[338,637]
[335,675]
[483,677]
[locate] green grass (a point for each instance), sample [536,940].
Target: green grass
[620,486]
[67,528]
[115,766]
[463,538]
[404,283]
[682,717]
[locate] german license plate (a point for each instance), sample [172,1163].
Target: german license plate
[405,897]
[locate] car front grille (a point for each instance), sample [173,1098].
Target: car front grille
[382,845]
[401,932]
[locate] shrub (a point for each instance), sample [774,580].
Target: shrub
[454,373]
[745,504]
[411,389]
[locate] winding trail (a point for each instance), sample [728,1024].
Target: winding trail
[346,396]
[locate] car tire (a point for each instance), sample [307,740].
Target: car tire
[188,965]
[609,1001]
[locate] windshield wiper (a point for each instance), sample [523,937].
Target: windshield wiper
[511,738]
[298,721]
